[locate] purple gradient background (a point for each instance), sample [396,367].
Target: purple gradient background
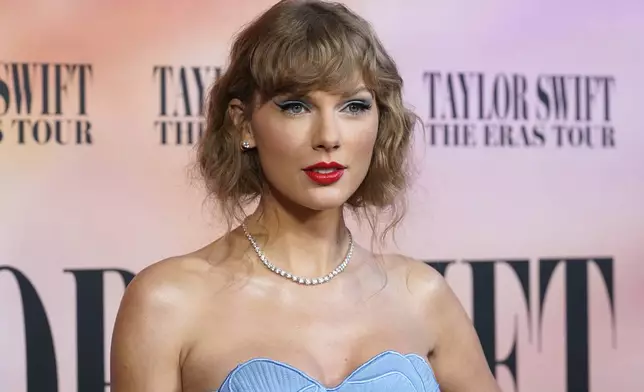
[126,201]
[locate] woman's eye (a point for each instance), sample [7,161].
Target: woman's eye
[357,107]
[296,108]
[292,107]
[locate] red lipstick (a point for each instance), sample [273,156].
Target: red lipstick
[325,173]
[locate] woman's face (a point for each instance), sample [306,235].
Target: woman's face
[315,150]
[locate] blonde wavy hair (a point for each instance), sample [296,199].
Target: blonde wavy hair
[295,47]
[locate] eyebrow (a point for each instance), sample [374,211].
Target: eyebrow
[355,91]
[344,95]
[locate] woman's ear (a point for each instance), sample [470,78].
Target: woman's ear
[236,111]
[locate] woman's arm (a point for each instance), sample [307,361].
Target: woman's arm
[149,333]
[457,358]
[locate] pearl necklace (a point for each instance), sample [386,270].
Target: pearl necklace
[295,278]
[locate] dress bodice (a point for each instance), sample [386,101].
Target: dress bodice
[389,371]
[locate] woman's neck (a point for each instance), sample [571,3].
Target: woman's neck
[300,241]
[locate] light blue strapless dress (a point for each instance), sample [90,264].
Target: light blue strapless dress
[389,371]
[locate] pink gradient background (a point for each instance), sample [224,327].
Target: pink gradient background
[127,201]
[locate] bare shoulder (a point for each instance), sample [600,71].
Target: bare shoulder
[428,289]
[428,286]
[457,357]
[177,283]
[167,283]
[155,320]
[165,295]
[419,278]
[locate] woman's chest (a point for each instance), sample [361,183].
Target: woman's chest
[325,345]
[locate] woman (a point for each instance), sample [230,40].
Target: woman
[308,121]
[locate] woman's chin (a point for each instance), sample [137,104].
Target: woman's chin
[324,198]
[314,198]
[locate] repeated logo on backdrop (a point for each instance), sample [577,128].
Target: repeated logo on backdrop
[181,92]
[464,109]
[502,110]
[576,289]
[45,103]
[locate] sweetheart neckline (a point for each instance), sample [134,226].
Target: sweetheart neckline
[315,380]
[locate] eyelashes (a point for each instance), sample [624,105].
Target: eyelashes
[360,106]
[292,108]
[354,107]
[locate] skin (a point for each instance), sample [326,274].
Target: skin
[185,322]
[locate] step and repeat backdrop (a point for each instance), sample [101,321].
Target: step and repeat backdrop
[529,195]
